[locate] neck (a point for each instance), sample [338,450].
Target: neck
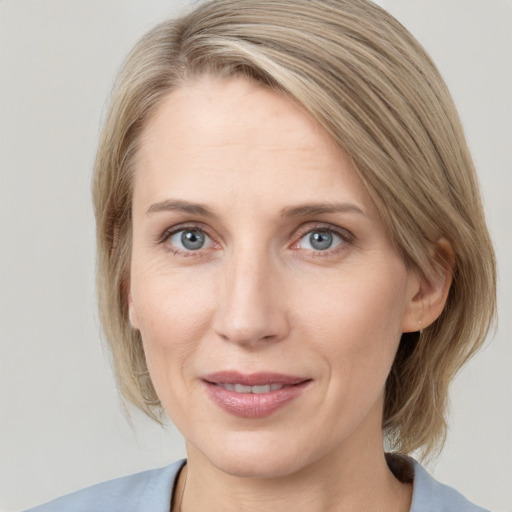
[341,480]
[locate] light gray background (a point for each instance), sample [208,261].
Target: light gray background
[61,425]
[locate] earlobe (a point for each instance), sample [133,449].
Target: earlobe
[427,304]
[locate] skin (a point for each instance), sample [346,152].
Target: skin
[258,297]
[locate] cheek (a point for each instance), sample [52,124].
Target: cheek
[173,314]
[355,317]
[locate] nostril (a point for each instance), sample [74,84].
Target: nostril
[250,319]
[247,336]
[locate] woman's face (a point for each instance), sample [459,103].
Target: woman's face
[267,292]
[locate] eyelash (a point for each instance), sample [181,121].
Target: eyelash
[169,233]
[346,237]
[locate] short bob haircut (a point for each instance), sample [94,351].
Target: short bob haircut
[374,89]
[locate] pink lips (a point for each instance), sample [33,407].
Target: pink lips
[258,404]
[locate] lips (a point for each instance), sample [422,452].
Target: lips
[253,395]
[241,388]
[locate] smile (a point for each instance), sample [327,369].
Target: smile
[242,388]
[256,395]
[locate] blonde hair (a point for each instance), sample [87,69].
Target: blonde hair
[374,89]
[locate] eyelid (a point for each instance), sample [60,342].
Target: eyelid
[171,231]
[182,226]
[344,233]
[346,236]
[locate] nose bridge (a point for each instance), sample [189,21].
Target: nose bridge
[249,309]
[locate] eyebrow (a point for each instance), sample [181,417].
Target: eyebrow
[320,208]
[180,206]
[287,212]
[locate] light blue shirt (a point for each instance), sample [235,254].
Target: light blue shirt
[151,491]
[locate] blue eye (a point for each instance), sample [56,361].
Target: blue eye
[190,240]
[320,240]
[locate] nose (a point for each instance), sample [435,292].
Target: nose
[251,304]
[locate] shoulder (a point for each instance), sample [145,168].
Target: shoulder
[149,490]
[431,496]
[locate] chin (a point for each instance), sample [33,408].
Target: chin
[259,466]
[257,456]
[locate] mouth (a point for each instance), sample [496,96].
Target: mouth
[241,388]
[253,395]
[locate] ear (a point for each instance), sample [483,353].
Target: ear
[428,294]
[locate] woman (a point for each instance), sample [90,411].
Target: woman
[293,258]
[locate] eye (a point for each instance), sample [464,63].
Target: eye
[320,240]
[190,239]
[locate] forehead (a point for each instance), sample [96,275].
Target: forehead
[234,134]
[219,111]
